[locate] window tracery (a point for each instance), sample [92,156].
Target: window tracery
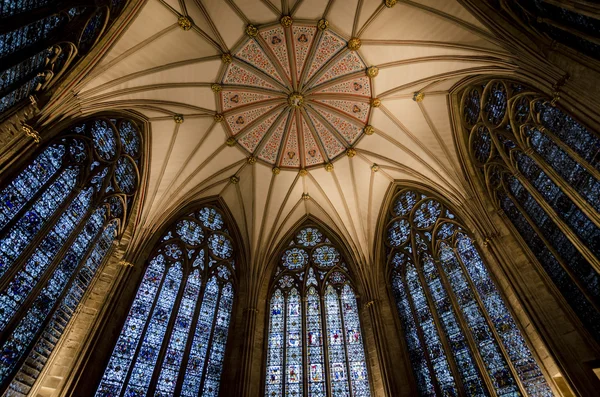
[542,169]
[51,35]
[315,344]
[58,219]
[459,332]
[173,340]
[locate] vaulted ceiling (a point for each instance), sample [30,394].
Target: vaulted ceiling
[160,69]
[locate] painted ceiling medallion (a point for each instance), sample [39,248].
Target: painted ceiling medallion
[295,96]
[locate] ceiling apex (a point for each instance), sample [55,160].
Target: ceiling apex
[251,30]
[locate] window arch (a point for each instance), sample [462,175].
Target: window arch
[58,219]
[542,169]
[315,344]
[173,340]
[458,329]
[40,39]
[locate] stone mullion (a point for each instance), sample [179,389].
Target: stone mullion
[583,289]
[560,224]
[212,332]
[490,323]
[419,330]
[19,83]
[143,333]
[563,185]
[325,344]
[12,59]
[20,315]
[462,323]
[345,340]
[35,242]
[167,335]
[440,330]
[191,335]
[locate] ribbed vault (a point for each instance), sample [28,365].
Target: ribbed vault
[167,62]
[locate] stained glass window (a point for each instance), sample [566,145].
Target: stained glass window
[459,332]
[315,343]
[542,170]
[41,39]
[174,337]
[59,217]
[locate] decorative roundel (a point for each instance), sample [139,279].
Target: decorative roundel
[190,232]
[309,237]
[295,258]
[220,245]
[326,256]
[427,214]
[295,96]
[398,233]
[211,218]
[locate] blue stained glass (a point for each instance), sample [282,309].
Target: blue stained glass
[197,356]
[337,354]
[167,379]
[274,381]
[220,245]
[130,139]
[295,258]
[354,344]
[105,139]
[211,218]
[430,334]
[92,30]
[493,359]
[566,209]
[326,256]
[314,345]
[293,362]
[14,196]
[15,7]
[427,213]
[294,370]
[398,233]
[27,35]
[405,203]
[28,326]
[125,175]
[518,352]
[219,339]
[19,236]
[190,232]
[143,367]
[566,166]
[114,377]
[26,279]
[24,70]
[52,332]
[309,237]
[415,348]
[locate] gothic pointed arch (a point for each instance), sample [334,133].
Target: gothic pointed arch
[174,338]
[314,344]
[41,40]
[539,166]
[61,211]
[459,330]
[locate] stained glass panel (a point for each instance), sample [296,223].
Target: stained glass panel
[316,315]
[453,317]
